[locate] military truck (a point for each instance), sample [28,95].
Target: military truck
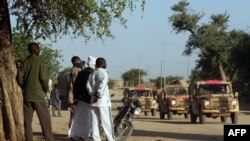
[62,85]
[174,100]
[145,96]
[213,99]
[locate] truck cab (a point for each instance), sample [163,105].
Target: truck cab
[174,100]
[213,99]
[145,96]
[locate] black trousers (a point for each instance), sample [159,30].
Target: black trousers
[42,111]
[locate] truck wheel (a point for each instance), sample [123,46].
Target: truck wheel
[234,118]
[162,115]
[187,116]
[146,113]
[223,119]
[202,118]
[193,118]
[153,112]
[170,114]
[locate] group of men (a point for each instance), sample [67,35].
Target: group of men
[90,103]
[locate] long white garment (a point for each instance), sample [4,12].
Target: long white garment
[81,122]
[98,82]
[102,115]
[100,111]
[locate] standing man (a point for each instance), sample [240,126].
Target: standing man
[81,123]
[18,63]
[77,65]
[33,78]
[55,101]
[97,86]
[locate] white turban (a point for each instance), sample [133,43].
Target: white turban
[91,62]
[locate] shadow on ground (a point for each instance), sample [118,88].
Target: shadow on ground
[178,136]
[116,101]
[57,137]
[176,121]
[245,107]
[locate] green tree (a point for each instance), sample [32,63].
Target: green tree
[51,56]
[211,40]
[20,45]
[239,59]
[133,77]
[159,82]
[47,20]
[195,75]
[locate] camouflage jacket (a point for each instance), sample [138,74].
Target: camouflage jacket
[72,77]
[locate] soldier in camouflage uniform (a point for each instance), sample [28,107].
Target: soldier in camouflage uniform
[77,67]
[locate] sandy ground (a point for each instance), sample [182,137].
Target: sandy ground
[148,128]
[60,124]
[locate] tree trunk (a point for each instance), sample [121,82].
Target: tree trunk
[222,72]
[11,101]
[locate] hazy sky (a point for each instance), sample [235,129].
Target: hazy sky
[141,45]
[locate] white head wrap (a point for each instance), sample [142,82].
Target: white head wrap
[91,62]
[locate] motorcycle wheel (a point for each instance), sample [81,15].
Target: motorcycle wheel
[124,132]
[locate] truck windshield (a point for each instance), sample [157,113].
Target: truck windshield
[141,92]
[214,89]
[176,91]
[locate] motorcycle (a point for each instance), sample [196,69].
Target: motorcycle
[123,125]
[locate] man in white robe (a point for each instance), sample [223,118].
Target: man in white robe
[81,122]
[97,86]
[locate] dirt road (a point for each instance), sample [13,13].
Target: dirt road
[148,128]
